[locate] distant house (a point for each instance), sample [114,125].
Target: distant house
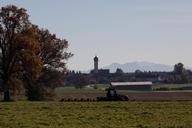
[101,72]
[145,86]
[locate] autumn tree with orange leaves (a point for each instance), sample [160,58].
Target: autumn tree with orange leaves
[53,53]
[18,47]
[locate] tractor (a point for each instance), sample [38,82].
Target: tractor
[111,95]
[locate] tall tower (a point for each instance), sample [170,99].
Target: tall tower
[96,64]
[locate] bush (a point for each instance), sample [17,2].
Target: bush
[38,92]
[34,93]
[95,86]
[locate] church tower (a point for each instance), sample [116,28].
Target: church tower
[96,64]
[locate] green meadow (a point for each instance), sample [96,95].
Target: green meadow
[25,114]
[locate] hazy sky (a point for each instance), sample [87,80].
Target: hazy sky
[120,31]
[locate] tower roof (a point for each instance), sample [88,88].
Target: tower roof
[96,58]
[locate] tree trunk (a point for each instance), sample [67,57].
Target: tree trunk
[6,91]
[7,95]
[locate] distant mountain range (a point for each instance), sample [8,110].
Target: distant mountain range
[143,66]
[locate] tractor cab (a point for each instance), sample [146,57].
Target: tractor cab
[111,92]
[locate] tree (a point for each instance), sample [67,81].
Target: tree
[80,81]
[119,71]
[181,74]
[53,53]
[138,71]
[18,47]
[179,68]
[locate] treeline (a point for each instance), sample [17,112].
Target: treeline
[31,58]
[179,75]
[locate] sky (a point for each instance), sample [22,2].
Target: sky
[117,31]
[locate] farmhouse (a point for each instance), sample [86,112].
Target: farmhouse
[145,86]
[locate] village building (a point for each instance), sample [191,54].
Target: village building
[96,69]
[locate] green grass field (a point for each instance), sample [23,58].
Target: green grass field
[101,89]
[174,85]
[24,114]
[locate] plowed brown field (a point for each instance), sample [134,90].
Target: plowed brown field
[138,96]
